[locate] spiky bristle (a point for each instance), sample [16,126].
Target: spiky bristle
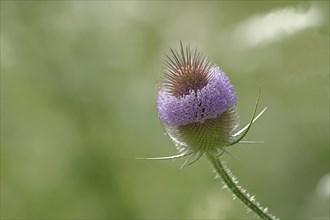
[185,71]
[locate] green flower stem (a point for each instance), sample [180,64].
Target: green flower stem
[237,190]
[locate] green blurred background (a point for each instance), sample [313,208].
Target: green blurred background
[78,104]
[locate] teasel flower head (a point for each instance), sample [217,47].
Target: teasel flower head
[196,103]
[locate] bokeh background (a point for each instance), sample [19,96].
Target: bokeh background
[78,104]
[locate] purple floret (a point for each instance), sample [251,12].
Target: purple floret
[210,101]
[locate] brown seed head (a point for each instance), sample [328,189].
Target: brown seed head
[185,71]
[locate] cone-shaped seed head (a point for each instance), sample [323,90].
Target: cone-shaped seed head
[196,101]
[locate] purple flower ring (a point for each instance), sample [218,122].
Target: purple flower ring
[208,102]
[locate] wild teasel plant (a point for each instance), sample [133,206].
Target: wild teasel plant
[196,105]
